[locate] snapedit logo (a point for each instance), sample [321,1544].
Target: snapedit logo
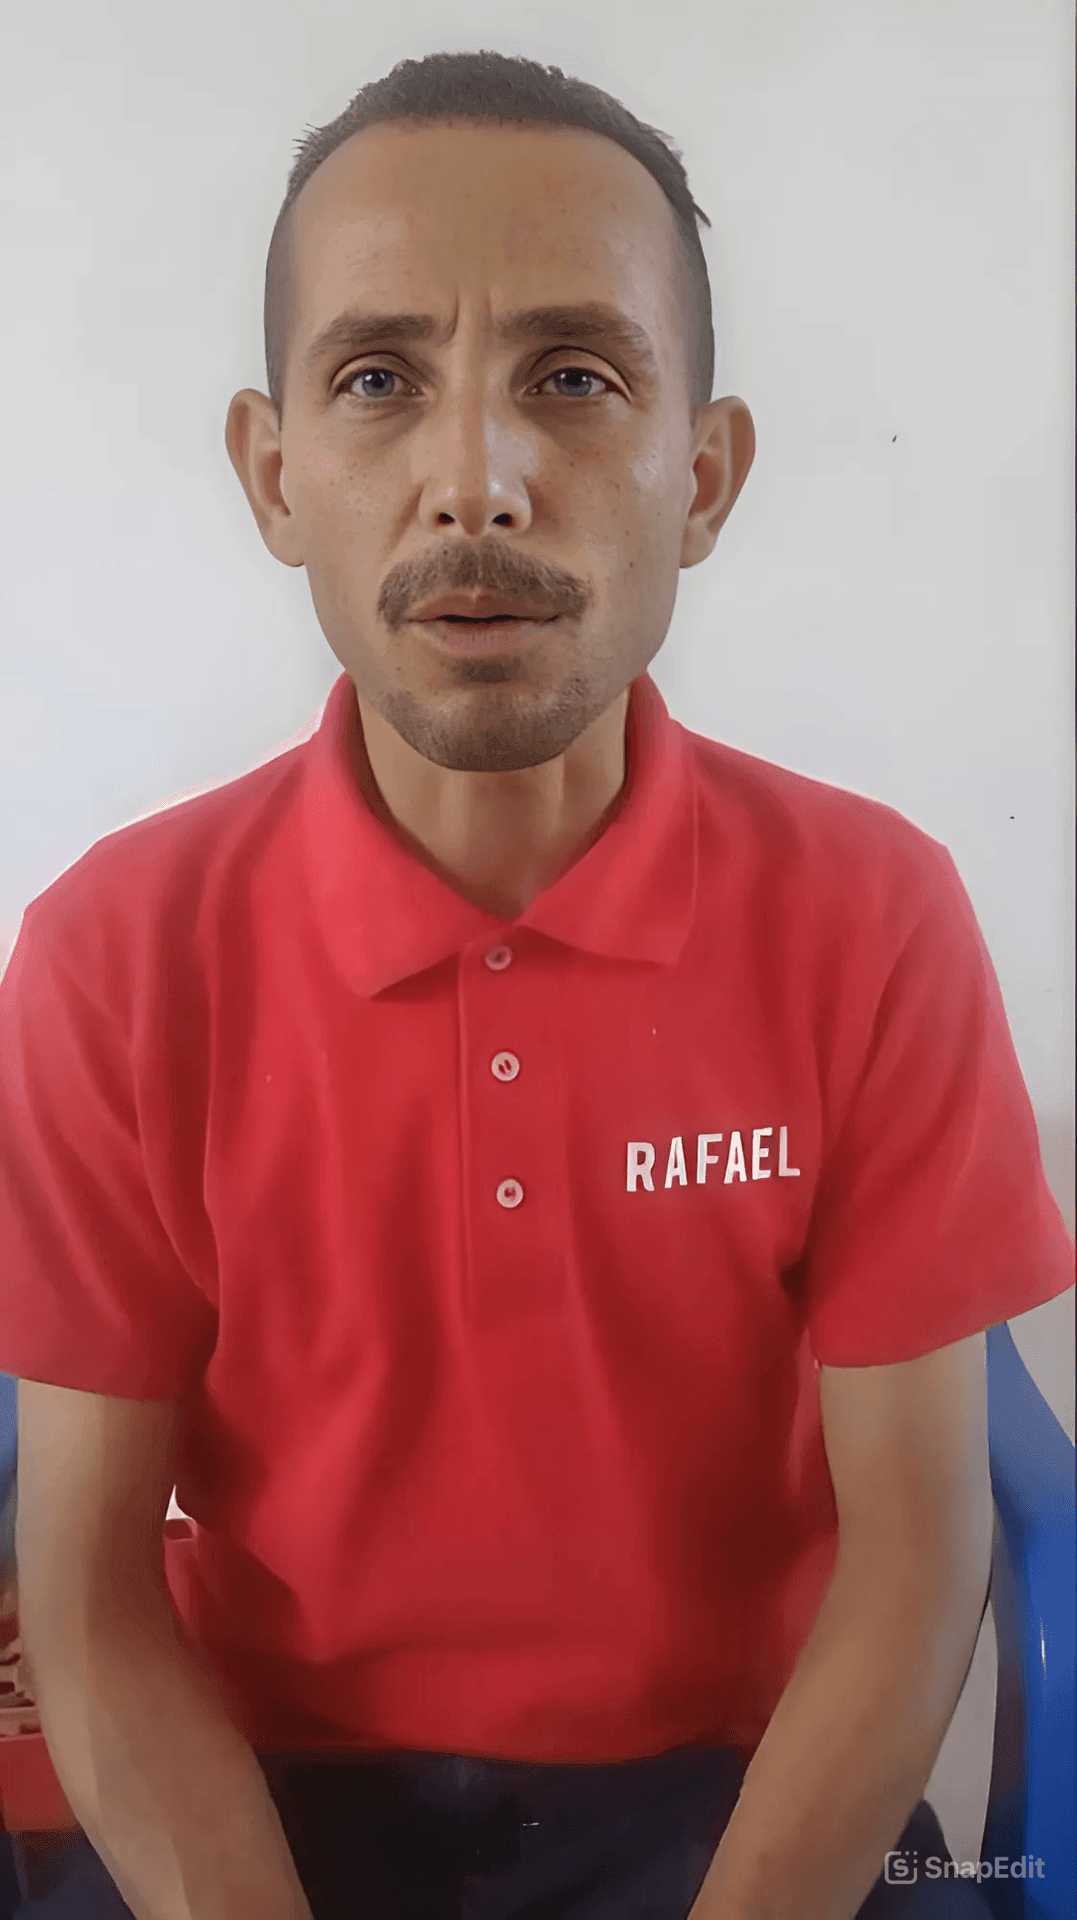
[902,1867]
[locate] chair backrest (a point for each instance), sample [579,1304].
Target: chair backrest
[1030,1813]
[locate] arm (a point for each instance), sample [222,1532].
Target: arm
[851,1745]
[166,1789]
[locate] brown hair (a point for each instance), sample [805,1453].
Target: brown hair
[495,86]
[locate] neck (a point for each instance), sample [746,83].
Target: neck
[498,839]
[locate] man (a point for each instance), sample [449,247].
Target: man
[533,1179]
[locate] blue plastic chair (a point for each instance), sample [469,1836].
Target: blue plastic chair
[1030,1809]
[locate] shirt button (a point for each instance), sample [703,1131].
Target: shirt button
[510,1193]
[498,959]
[504,1066]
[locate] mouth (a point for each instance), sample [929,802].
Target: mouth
[493,633]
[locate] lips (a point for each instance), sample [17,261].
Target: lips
[481,606]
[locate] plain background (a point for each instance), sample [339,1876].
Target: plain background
[890,606]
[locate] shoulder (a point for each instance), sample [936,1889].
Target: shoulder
[836,853]
[161,878]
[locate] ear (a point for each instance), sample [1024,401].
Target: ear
[252,438]
[724,442]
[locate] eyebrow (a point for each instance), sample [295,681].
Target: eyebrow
[591,324]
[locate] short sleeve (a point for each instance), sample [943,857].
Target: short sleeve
[933,1219]
[92,1292]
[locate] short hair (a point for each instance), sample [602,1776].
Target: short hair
[495,86]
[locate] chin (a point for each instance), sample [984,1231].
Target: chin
[503,740]
[487,749]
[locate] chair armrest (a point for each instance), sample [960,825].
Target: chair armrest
[1033,1598]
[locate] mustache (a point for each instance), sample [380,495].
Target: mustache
[489,567]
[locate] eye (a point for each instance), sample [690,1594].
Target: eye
[367,373]
[587,372]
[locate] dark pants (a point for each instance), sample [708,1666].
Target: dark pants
[432,1837]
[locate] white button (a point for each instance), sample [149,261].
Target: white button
[504,1066]
[499,958]
[510,1193]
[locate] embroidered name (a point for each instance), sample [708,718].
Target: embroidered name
[641,1158]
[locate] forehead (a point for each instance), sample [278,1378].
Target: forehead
[512,215]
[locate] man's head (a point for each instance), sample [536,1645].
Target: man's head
[579,470]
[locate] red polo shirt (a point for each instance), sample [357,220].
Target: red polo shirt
[490,1259]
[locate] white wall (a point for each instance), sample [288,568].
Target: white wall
[890,606]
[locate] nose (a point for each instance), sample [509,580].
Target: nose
[475,461]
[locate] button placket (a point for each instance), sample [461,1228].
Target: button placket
[515,1162]
[504,1066]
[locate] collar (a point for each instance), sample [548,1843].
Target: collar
[385,916]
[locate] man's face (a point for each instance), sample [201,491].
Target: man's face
[542,467]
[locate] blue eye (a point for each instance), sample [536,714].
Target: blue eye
[368,373]
[587,372]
